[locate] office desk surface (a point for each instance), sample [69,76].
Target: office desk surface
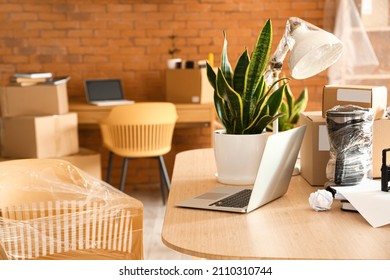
[187,113]
[286,228]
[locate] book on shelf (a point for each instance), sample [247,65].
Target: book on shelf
[34,75]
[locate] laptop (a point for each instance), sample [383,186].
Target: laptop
[272,180]
[105,92]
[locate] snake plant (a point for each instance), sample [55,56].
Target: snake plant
[292,108]
[244,103]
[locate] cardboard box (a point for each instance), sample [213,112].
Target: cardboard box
[87,160]
[40,137]
[36,100]
[381,141]
[315,148]
[374,97]
[188,86]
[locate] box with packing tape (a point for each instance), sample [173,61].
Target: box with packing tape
[374,97]
[39,136]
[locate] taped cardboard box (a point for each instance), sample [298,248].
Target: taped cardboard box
[374,97]
[188,86]
[40,137]
[314,155]
[34,100]
[87,160]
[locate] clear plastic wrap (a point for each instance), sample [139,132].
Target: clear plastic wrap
[363,27]
[50,209]
[350,137]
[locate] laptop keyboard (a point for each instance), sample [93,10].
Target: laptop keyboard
[237,200]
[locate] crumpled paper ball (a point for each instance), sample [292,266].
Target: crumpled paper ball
[321,200]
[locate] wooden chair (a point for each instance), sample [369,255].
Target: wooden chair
[140,130]
[50,209]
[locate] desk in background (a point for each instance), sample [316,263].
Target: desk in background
[188,114]
[286,228]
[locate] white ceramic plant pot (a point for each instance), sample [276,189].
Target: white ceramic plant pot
[238,157]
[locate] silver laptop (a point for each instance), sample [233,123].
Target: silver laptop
[272,180]
[105,92]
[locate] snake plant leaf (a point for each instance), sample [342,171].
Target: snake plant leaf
[302,100]
[254,103]
[222,112]
[218,100]
[225,64]
[275,99]
[299,106]
[240,71]
[211,76]
[259,58]
[255,124]
[261,123]
[232,100]
[285,118]
[289,99]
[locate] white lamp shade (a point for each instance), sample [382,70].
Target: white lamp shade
[313,52]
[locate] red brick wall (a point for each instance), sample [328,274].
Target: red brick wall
[130,39]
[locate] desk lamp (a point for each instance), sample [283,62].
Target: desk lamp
[312,51]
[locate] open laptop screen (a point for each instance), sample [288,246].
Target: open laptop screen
[100,90]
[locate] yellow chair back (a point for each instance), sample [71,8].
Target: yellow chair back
[140,129]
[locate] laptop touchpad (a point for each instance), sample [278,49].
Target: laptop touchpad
[211,195]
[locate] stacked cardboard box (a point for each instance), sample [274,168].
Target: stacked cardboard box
[315,147]
[36,123]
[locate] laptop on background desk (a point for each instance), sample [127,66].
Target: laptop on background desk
[105,92]
[272,180]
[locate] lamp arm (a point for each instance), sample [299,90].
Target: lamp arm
[286,44]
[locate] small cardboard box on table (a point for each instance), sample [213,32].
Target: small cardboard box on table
[374,97]
[314,155]
[34,100]
[188,86]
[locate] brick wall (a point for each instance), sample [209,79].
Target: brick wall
[130,40]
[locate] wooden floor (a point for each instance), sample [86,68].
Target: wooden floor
[154,212]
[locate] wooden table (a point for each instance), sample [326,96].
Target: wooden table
[188,115]
[286,228]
